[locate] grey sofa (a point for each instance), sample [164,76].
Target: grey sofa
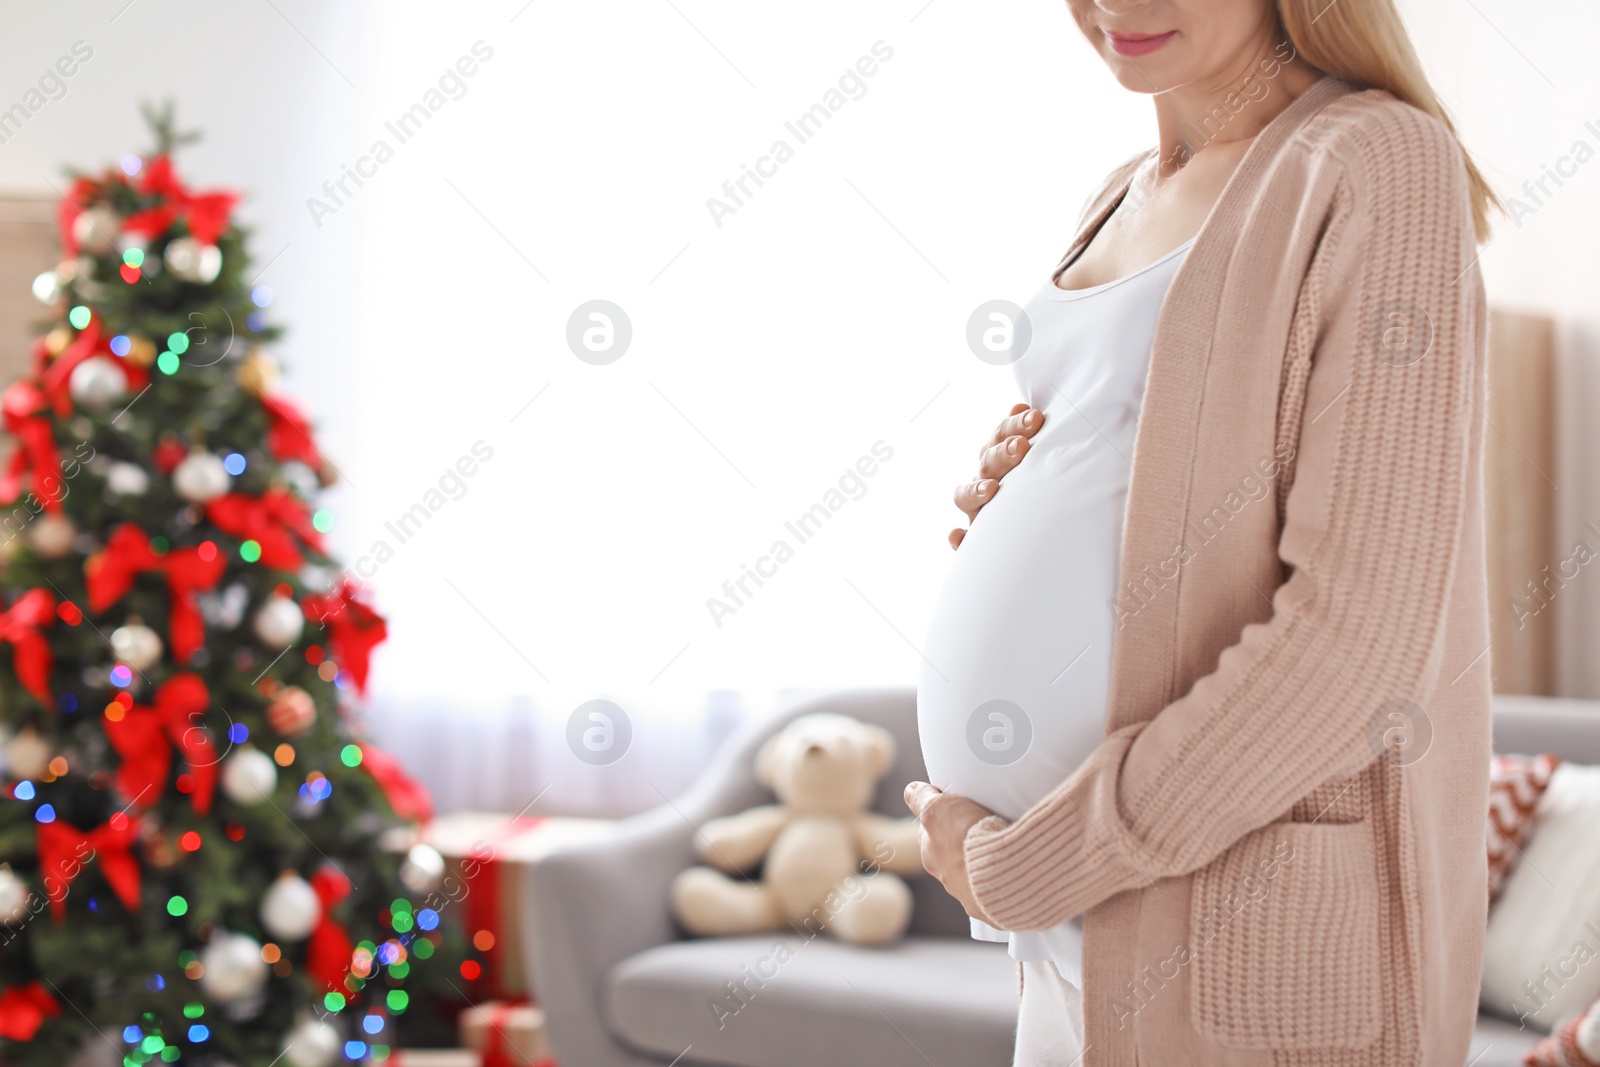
[621,987]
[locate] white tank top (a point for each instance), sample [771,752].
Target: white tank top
[1017,662]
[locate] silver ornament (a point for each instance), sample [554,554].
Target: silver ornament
[28,755]
[96,382]
[201,477]
[127,479]
[290,908]
[136,645]
[51,535]
[47,287]
[248,775]
[279,622]
[14,897]
[233,968]
[96,230]
[225,609]
[423,870]
[312,1043]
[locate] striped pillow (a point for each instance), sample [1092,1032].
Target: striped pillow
[1576,1043]
[1515,785]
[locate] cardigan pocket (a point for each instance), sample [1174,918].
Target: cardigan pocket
[1284,940]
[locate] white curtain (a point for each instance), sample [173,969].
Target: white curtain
[798,373]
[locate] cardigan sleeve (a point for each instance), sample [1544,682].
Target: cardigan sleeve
[1372,525]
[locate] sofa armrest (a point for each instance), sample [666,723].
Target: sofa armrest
[592,904]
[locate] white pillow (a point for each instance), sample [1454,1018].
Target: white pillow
[1541,955]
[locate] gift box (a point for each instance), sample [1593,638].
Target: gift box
[487,856]
[506,1034]
[435,1057]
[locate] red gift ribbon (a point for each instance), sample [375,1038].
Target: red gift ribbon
[206,213]
[274,520]
[64,851]
[147,734]
[496,1046]
[329,947]
[24,405]
[483,900]
[408,797]
[354,629]
[289,433]
[110,574]
[20,624]
[24,1008]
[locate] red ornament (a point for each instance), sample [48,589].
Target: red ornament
[291,712]
[169,452]
[24,1008]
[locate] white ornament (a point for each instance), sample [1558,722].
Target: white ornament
[248,775]
[193,261]
[96,382]
[47,287]
[225,609]
[279,622]
[96,230]
[233,968]
[201,477]
[210,264]
[136,645]
[290,908]
[301,477]
[127,479]
[28,755]
[312,1043]
[51,535]
[14,897]
[423,870]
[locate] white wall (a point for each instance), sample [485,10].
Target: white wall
[769,353]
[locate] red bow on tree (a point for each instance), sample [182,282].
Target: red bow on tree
[30,652]
[55,375]
[354,629]
[206,213]
[273,520]
[24,1008]
[64,850]
[24,406]
[146,735]
[408,797]
[111,571]
[328,949]
[289,433]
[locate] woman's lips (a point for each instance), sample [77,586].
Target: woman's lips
[1138,44]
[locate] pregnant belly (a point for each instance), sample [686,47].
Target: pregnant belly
[1012,693]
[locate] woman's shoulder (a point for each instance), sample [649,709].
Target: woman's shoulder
[1381,140]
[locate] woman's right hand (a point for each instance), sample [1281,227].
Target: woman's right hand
[1003,451]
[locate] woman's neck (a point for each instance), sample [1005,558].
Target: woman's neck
[1232,106]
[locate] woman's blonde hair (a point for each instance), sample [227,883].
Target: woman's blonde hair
[1364,43]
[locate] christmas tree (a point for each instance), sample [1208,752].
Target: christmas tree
[190,827]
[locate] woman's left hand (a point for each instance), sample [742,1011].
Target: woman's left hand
[945,820]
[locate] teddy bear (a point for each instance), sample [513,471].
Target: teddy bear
[827,863]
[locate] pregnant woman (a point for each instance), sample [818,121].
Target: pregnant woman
[1204,702]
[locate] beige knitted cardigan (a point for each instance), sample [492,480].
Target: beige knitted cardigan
[1279,845]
